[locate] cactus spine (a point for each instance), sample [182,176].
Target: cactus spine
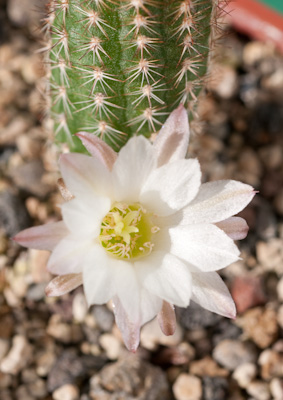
[120,67]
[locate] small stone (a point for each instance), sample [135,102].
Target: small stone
[181,354]
[67,369]
[23,393]
[4,347]
[195,317]
[244,374]
[29,178]
[280,289]
[62,331]
[215,388]
[260,325]
[80,307]
[66,392]
[207,367]
[224,82]
[266,225]
[130,378]
[256,51]
[13,214]
[259,390]
[104,318]
[270,254]
[38,388]
[280,316]
[44,363]
[232,353]
[152,336]
[271,156]
[187,387]
[247,292]
[18,357]
[271,364]
[111,345]
[276,388]
[278,202]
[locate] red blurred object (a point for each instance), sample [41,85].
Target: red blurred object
[247,292]
[258,20]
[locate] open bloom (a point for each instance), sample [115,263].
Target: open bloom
[139,228]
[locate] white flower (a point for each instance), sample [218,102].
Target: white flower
[140,229]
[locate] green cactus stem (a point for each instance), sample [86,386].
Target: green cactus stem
[118,68]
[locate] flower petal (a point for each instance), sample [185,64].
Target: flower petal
[84,175]
[98,276]
[85,217]
[43,237]
[135,162]
[217,201]
[63,284]
[171,143]
[167,319]
[235,227]
[210,292]
[130,331]
[127,288]
[65,193]
[171,187]
[150,305]
[68,256]
[165,276]
[98,149]
[205,246]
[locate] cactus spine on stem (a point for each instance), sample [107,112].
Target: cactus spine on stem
[120,67]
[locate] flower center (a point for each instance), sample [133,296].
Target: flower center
[127,230]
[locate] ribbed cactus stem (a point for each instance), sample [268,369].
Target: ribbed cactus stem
[120,67]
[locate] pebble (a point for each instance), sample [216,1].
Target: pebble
[276,388]
[278,202]
[18,357]
[181,354]
[62,331]
[256,51]
[280,289]
[280,316]
[270,255]
[66,392]
[45,362]
[271,156]
[152,336]
[4,347]
[207,367]
[215,388]
[244,374]
[111,345]
[187,387]
[13,214]
[224,82]
[195,317]
[247,292]
[271,363]
[38,388]
[259,390]
[29,177]
[67,369]
[260,325]
[130,378]
[232,353]
[80,307]
[103,317]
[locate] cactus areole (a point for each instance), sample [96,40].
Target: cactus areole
[118,68]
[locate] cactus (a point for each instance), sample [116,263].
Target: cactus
[118,68]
